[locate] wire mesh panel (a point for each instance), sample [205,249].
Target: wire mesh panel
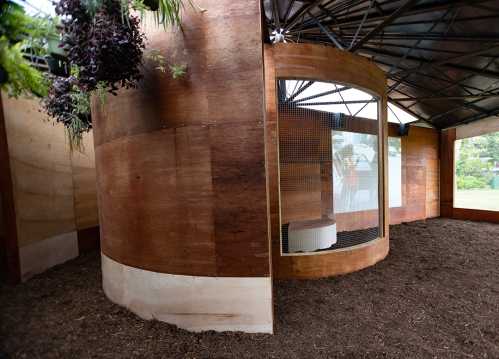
[328,162]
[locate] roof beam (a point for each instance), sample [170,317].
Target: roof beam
[418,9]
[389,19]
[303,10]
[435,98]
[322,94]
[277,16]
[424,62]
[328,32]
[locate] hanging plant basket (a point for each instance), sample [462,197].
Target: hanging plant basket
[153,5]
[4,76]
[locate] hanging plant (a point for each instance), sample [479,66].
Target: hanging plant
[69,105]
[104,46]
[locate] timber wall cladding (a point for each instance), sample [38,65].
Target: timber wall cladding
[181,163]
[420,176]
[41,172]
[52,197]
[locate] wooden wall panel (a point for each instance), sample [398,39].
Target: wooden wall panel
[85,185]
[477,128]
[53,190]
[447,172]
[420,176]
[181,163]
[41,172]
[327,264]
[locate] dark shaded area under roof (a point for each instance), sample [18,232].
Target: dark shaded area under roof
[440,56]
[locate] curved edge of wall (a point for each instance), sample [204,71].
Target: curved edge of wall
[334,263]
[320,63]
[194,303]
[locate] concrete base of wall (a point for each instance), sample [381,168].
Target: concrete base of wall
[39,256]
[191,302]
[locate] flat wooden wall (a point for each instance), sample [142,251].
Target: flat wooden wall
[48,187]
[41,172]
[448,138]
[181,163]
[420,175]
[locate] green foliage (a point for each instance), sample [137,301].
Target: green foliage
[178,71]
[154,55]
[21,34]
[477,156]
[169,12]
[101,92]
[471,182]
[33,31]
[23,79]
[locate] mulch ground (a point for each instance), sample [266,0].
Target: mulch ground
[435,296]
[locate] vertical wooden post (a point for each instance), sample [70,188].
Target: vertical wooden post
[447,172]
[10,263]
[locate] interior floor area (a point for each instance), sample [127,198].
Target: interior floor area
[435,296]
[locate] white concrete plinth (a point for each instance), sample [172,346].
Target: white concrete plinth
[39,256]
[191,302]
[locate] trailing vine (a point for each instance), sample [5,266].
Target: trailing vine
[105,47]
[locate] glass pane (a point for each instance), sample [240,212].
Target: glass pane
[398,115]
[477,172]
[394,172]
[328,162]
[355,159]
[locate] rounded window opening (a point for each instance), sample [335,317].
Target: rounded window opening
[329,171]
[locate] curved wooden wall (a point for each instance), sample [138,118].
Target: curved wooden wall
[320,63]
[181,163]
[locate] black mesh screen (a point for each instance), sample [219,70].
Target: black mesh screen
[328,168]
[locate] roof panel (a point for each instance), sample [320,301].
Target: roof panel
[441,53]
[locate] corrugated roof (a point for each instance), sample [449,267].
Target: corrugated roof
[440,56]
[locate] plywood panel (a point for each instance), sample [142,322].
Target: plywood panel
[477,128]
[84,185]
[41,172]
[239,206]
[324,63]
[447,172]
[181,164]
[420,176]
[156,201]
[326,264]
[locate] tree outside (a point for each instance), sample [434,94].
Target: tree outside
[477,172]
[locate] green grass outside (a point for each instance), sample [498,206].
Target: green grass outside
[486,199]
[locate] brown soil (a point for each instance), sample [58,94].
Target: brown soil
[436,296]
